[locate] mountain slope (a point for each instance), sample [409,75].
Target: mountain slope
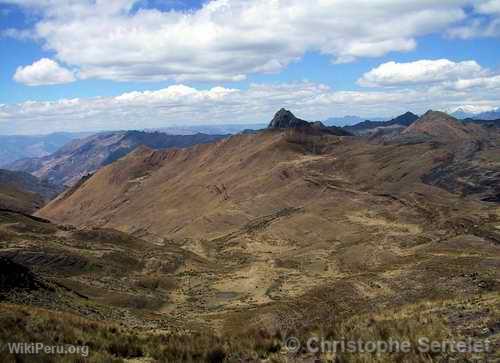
[21,191]
[254,174]
[15,147]
[196,175]
[127,298]
[443,126]
[81,157]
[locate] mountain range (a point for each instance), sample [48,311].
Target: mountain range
[395,124]
[349,120]
[466,113]
[223,129]
[79,158]
[149,177]
[220,251]
[15,147]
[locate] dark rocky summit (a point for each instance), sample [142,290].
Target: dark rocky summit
[285,119]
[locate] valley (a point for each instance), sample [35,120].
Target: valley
[282,232]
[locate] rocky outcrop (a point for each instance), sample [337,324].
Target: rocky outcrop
[284,119]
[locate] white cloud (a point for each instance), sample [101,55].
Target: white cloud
[481,82]
[183,105]
[488,7]
[43,72]
[421,71]
[476,28]
[175,93]
[485,23]
[226,40]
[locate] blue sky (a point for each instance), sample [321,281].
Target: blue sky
[152,63]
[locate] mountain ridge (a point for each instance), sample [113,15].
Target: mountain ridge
[252,155]
[350,120]
[442,125]
[82,157]
[403,120]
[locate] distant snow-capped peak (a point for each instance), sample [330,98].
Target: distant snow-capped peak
[471,109]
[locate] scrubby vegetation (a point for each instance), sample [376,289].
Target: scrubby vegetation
[117,343]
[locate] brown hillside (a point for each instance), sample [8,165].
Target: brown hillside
[443,126]
[186,192]
[209,190]
[263,207]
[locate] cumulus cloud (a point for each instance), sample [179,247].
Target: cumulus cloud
[226,40]
[184,105]
[43,72]
[442,76]
[421,71]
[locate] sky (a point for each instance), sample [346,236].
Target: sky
[91,65]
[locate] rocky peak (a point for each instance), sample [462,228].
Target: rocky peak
[284,119]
